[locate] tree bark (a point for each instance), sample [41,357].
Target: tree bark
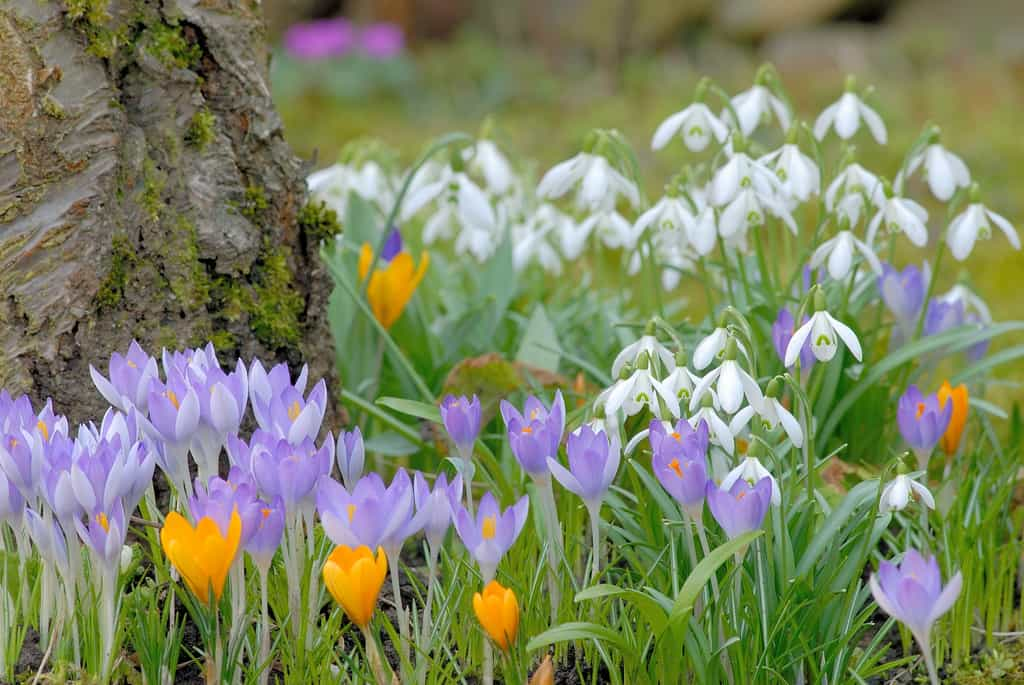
[147,192]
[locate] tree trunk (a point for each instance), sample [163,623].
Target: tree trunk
[146,192]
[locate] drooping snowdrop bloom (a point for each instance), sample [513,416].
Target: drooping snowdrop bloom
[703,231]
[710,347]
[912,593]
[670,251]
[681,381]
[973,223]
[754,106]
[648,343]
[782,333]
[852,191]
[638,390]
[611,228]
[900,215]
[733,382]
[530,238]
[593,462]
[772,413]
[486,158]
[490,534]
[900,491]
[745,189]
[838,252]
[279,405]
[708,413]
[740,508]
[130,377]
[672,212]
[679,461]
[535,434]
[824,332]
[696,124]
[600,183]
[922,422]
[368,180]
[461,207]
[799,175]
[845,115]
[943,170]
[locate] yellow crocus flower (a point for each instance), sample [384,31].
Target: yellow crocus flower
[498,612]
[951,438]
[354,578]
[202,555]
[392,282]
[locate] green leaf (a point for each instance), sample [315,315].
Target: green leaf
[824,537]
[540,342]
[1001,357]
[645,604]
[361,221]
[391,444]
[702,573]
[420,410]
[579,630]
[498,277]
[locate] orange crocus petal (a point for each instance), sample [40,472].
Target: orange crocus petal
[365,257]
[498,613]
[354,578]
[392,286]
[951,438]
[202,555]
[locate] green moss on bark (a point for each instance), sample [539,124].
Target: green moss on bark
[186,275]
[277,305]
[318,221]
[122,260]
[201,129]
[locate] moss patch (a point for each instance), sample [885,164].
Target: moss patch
[166,42]
[186,275]
[201,129]
[122,260]
[1004,664]
[254,203]
[52,108]
[276,304]
[153,182]
[318,222]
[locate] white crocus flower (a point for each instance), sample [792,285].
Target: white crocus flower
[839,252]
[754,105]
[733,382]
[772,413]
[490,162]
[901,214]
[713,345]
[718,429]
[943,170]
[848,193]
[973,223]
[845,116]
[825,332]
[640,390]
[649,344]
[697,125]
[600,183]
[900,490]
[752,470]
[799,175]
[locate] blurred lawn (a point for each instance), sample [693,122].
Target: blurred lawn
[541,114]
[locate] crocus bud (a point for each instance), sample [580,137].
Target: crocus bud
[498,613]
[354,578]
[950,440]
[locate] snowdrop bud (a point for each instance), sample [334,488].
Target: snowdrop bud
[127,554]
[820,302]
[773,388]
[627,371]
[643,360]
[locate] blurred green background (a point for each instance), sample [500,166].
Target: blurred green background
[544,73]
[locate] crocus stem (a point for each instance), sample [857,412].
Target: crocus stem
[929,660]
[488,677]
[312,589]
[264,628]
[373,656]
[555,543]
[691,550]
[706,548]
[427,628]
[403,620]
[595,541]
[108,620]
[237,574]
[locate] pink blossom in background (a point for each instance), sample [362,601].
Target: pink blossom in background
[382,40]
[319,39]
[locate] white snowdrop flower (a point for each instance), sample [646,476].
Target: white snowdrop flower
[611,228]
[772,413]
[631,395]
[646,343]
[703,231]
[825,331]
[127,556]
[696,123]
[529,244]
[487,159]
[719,430]
[681,381]
[855,182]
[747,210]
[901,214]
[733,383]
[845,115]
[739,173]
[668,213]
[369,181]
[973,223]
[839,252]
[752,470]
[754,105]
[463,208]
[711,346]
[799,175]
[600,184]
[900,490]
[573,237]
[671,257]
[943,171]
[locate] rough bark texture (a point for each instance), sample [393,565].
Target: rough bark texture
[146,192]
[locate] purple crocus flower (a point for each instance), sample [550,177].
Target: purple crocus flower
[130,376]
[382,40]
[593,463]
[679,461]
[279,405]
[903,292]
[12,503]
[266,537]
[535,434]
[104,531]
[173,420]
[392,246]
[289,471]
[434,506]
[57,488]
[782,332]
[103,472]
[351,456]
[912,593]
[461,418]
[741,508]
[315,40]
[922,421]
[942,316]
[490,535]
[21,459]
[222,497]
[48,537]
[976,351]
[372,514]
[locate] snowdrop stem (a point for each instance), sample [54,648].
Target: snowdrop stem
[726,271]
[762,265]
[706,280]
